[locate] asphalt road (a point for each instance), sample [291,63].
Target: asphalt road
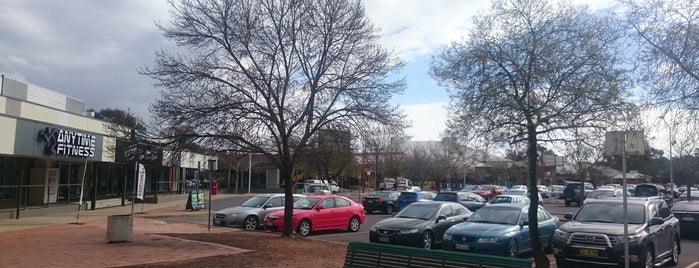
[688,259]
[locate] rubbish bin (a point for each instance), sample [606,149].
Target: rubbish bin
[214,187]
[119,228]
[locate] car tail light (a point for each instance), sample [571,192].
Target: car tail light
[379,201]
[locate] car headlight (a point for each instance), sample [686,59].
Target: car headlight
[409,231]
[632,238]
[488,240]
[561,234]
[272,218]
[447,237]
[374,228]
[233,215]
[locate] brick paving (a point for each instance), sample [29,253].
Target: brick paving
[57,241]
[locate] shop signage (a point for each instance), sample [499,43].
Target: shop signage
[62,142]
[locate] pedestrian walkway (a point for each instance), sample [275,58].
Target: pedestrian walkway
[66,240]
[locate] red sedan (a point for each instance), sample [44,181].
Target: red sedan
[489,191]
[319,212]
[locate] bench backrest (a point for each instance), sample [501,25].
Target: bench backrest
[362,254]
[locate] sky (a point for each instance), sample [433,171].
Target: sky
[92,49]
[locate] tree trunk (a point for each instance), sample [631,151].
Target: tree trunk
[540,259]
[285,174]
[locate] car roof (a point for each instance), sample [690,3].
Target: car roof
[513,205]
[629,199]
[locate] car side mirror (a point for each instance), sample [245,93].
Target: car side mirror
[440,218]
[656,221]
[568,216]
[267,206]
[319,207]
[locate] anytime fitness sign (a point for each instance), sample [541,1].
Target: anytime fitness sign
[68,143]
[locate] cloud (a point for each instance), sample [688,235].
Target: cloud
[428,120]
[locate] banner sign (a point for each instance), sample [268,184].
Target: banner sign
[141,181]
[196,200]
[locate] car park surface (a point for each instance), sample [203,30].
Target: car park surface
[500,229]
[419,224]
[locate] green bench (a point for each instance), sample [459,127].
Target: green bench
[362,254]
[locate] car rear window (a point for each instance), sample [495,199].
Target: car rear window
[445,197]
[408,196]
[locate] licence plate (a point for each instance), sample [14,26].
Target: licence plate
[384,239]
[688,218]
[270,224]
[588,252]
[461,247]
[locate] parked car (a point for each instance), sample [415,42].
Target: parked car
[556,191]
[687,212]
[319,212]
[571,193]
[316,188]
[685,197]
[595,234]
[419,224]
[250,213]
[468,188]
[488,191]
[518,187]
[507,199]
[471,201]
[382,200]
[407,197]
[604,193]
[500,229]
[525,193]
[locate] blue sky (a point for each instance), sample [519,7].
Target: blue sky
[91,50]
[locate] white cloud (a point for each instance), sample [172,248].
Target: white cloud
[428,120]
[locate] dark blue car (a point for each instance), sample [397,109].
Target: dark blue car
[405,198]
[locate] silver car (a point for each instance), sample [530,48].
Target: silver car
[249,215]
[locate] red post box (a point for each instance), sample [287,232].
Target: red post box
[214,187]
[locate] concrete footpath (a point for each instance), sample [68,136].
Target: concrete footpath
[66,240]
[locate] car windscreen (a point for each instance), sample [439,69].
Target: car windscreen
[501,199]
[686,206]
[485,187]
[255,202]
[498,215]
[611,213]
[306,203]
[419,211]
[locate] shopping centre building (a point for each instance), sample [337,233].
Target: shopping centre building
[52,152]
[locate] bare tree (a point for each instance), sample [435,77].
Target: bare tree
[668,39]
[266,76]
[531,71]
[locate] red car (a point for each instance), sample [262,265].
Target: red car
[489,191]
[319,212]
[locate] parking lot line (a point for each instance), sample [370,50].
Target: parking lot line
[694,264]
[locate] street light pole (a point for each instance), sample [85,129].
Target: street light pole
[672,181]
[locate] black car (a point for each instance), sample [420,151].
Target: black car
[383,200]
[571,193]
[419,224]
[595,235]
[469,200]
[688,214]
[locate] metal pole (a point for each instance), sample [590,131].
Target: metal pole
[626,216]
[133,198]
[249,171]
[672,180]
[211,187]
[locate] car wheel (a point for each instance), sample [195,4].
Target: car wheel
[251,223]
[304,228]
[354,224]
[512,249]
[389,209]
[648,259]
[567,203]
[560,262]
[675,258]
[427,240]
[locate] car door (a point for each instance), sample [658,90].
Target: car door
[656,231]
[547,225]
[523,236]
[667,237]
[342,212]
[324,215]
[444,224]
